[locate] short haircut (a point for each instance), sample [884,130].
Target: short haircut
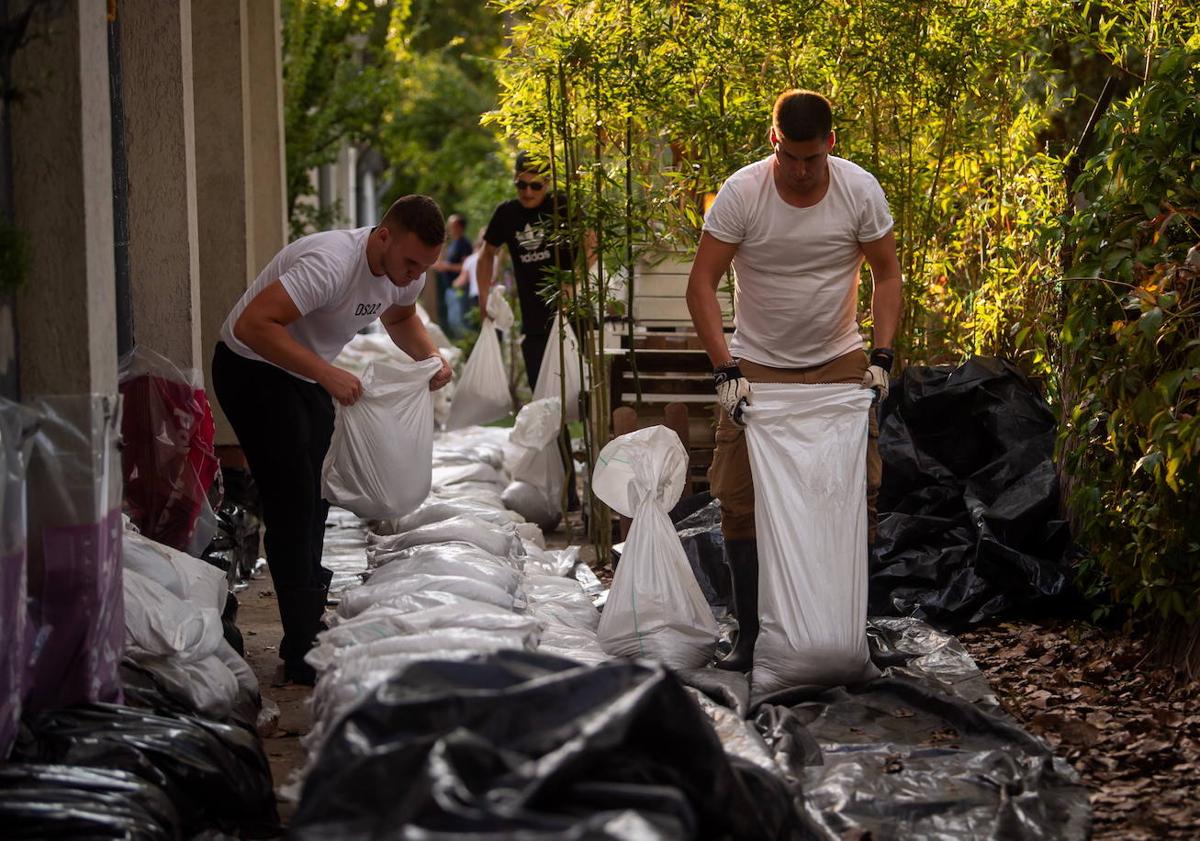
[456,217]
[802,115]
[527,163]
[419,214]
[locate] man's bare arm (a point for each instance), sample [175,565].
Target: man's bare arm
[713,258]
[886,299]
[262,327]
[409,334]
[484,270]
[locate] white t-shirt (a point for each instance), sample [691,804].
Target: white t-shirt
[327,277]
[797,268]
[470,263]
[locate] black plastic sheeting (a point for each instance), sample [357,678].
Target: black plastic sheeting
[922,752]
[520,745]
[524,746]
[972,527]
[216,775]
[39,802]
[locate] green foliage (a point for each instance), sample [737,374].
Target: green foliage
[967,114]
[1131,430]
[342,59]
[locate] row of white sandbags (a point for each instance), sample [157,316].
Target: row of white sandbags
[458,576]
[173,605]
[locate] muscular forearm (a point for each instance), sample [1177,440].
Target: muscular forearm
[886,304]
[411,337]
[707,319]
[273,343]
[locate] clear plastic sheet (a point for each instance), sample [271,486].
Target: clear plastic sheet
[16,431]
[168,458]
[530,746]
[74,508]
[922,752]
[216,775]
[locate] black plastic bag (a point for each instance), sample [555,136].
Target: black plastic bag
[969,523]
[216,774]
[39,802]
[518,745]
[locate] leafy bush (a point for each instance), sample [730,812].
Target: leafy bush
[1130,441]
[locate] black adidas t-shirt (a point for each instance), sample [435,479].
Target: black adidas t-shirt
[527,233]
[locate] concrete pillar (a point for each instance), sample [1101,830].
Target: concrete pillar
[224,198]
[62,200]
[368,209]
[265,40]
[164,261]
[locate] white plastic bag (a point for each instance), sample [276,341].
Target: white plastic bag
[379,461]
[493,538]
[808,446]
[551,381]
[655,607]
[482,394]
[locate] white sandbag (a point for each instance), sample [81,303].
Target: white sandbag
[438,552]
[655,608]
[182,575]
[435,510]
[482,394]
[531,535]
[808,446]
[499,540]
[408,602]
[359,599]
[535,464]
[379,458]
[377,623]
[498,308]
[455,474]
[159,624]
[556,562]
[476,492]
[481,567]
[418,645]
[206,685]
[576,644]
[551,379]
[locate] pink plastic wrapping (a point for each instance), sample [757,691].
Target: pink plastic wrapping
[77,604]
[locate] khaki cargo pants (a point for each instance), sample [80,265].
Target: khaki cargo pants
[729,475]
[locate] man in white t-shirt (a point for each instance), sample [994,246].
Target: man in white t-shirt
[796,227]
[274,378]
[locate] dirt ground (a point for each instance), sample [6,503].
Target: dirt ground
[1131,730]
[258,619]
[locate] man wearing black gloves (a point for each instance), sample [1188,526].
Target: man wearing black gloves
[796,227]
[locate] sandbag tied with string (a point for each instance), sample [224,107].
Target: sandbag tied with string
[655,608]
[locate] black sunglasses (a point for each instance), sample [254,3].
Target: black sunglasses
[529,185]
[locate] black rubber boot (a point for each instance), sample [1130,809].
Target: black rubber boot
[301,611]
[742,558]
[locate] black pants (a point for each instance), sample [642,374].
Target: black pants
[533,348]
[284,425]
